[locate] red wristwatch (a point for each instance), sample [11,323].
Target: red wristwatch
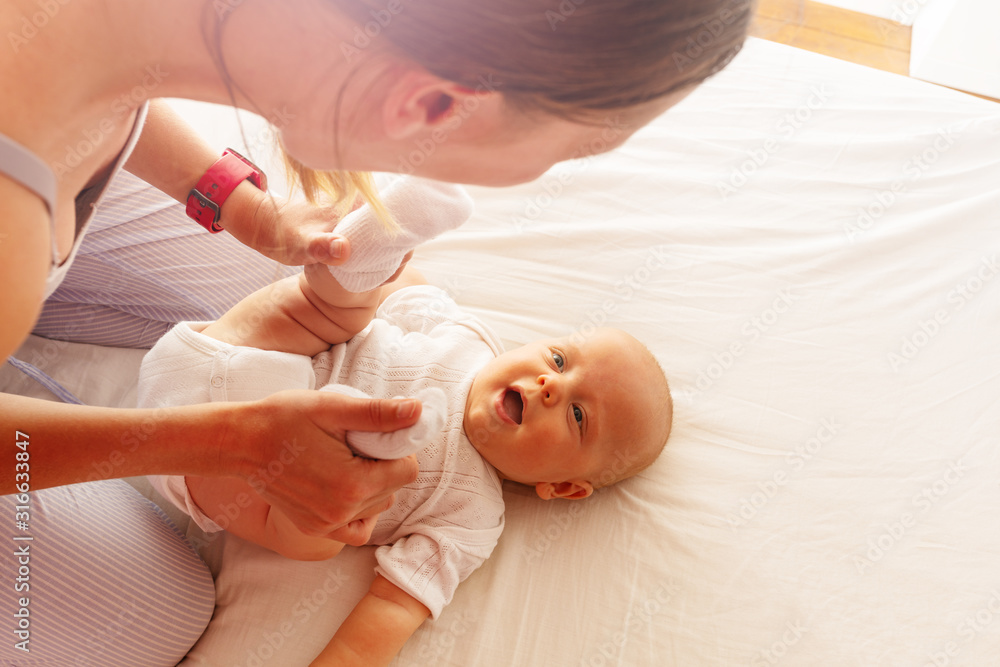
[205,201]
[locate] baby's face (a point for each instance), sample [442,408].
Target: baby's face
[559,410]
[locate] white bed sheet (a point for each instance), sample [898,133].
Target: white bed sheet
[829,323]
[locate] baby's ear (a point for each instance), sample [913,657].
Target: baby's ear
[577,490]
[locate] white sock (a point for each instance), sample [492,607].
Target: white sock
[405,441]
[422,208]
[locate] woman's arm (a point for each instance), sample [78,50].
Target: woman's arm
[322,487]
[25,260]
[69,444]
[171,156]
[376,630]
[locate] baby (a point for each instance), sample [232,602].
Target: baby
[564,415]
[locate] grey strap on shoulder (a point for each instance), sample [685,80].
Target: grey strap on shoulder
[26,168]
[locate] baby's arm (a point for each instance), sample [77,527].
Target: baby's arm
[377,628]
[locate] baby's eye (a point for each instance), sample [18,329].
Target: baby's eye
[577,414]
[558,359]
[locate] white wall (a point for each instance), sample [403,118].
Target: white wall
[955,44]
[954,41]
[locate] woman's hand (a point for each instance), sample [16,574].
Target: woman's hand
[294,455]
[173,157]
[292,233]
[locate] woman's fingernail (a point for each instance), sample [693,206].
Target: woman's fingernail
[407,409]
[336,248]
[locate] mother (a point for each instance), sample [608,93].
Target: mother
[478,92]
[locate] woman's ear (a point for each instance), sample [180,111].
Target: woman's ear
[418,100]
[576,490]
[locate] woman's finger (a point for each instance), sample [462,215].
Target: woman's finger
[336,412]
[329,249]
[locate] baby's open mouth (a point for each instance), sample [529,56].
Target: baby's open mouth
[513,405]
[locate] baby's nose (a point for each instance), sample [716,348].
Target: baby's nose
[548,387]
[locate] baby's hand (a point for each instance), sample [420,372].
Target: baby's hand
[406,441]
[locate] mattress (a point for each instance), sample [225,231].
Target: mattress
[812,251]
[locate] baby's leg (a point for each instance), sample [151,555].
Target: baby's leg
[235,506]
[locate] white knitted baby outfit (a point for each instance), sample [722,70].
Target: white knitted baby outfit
[446,522]
[422,208]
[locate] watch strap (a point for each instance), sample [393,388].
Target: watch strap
[204,203]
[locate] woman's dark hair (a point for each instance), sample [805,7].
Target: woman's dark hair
[571,58]
[574,59]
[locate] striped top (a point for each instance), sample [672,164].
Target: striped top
[144,266]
